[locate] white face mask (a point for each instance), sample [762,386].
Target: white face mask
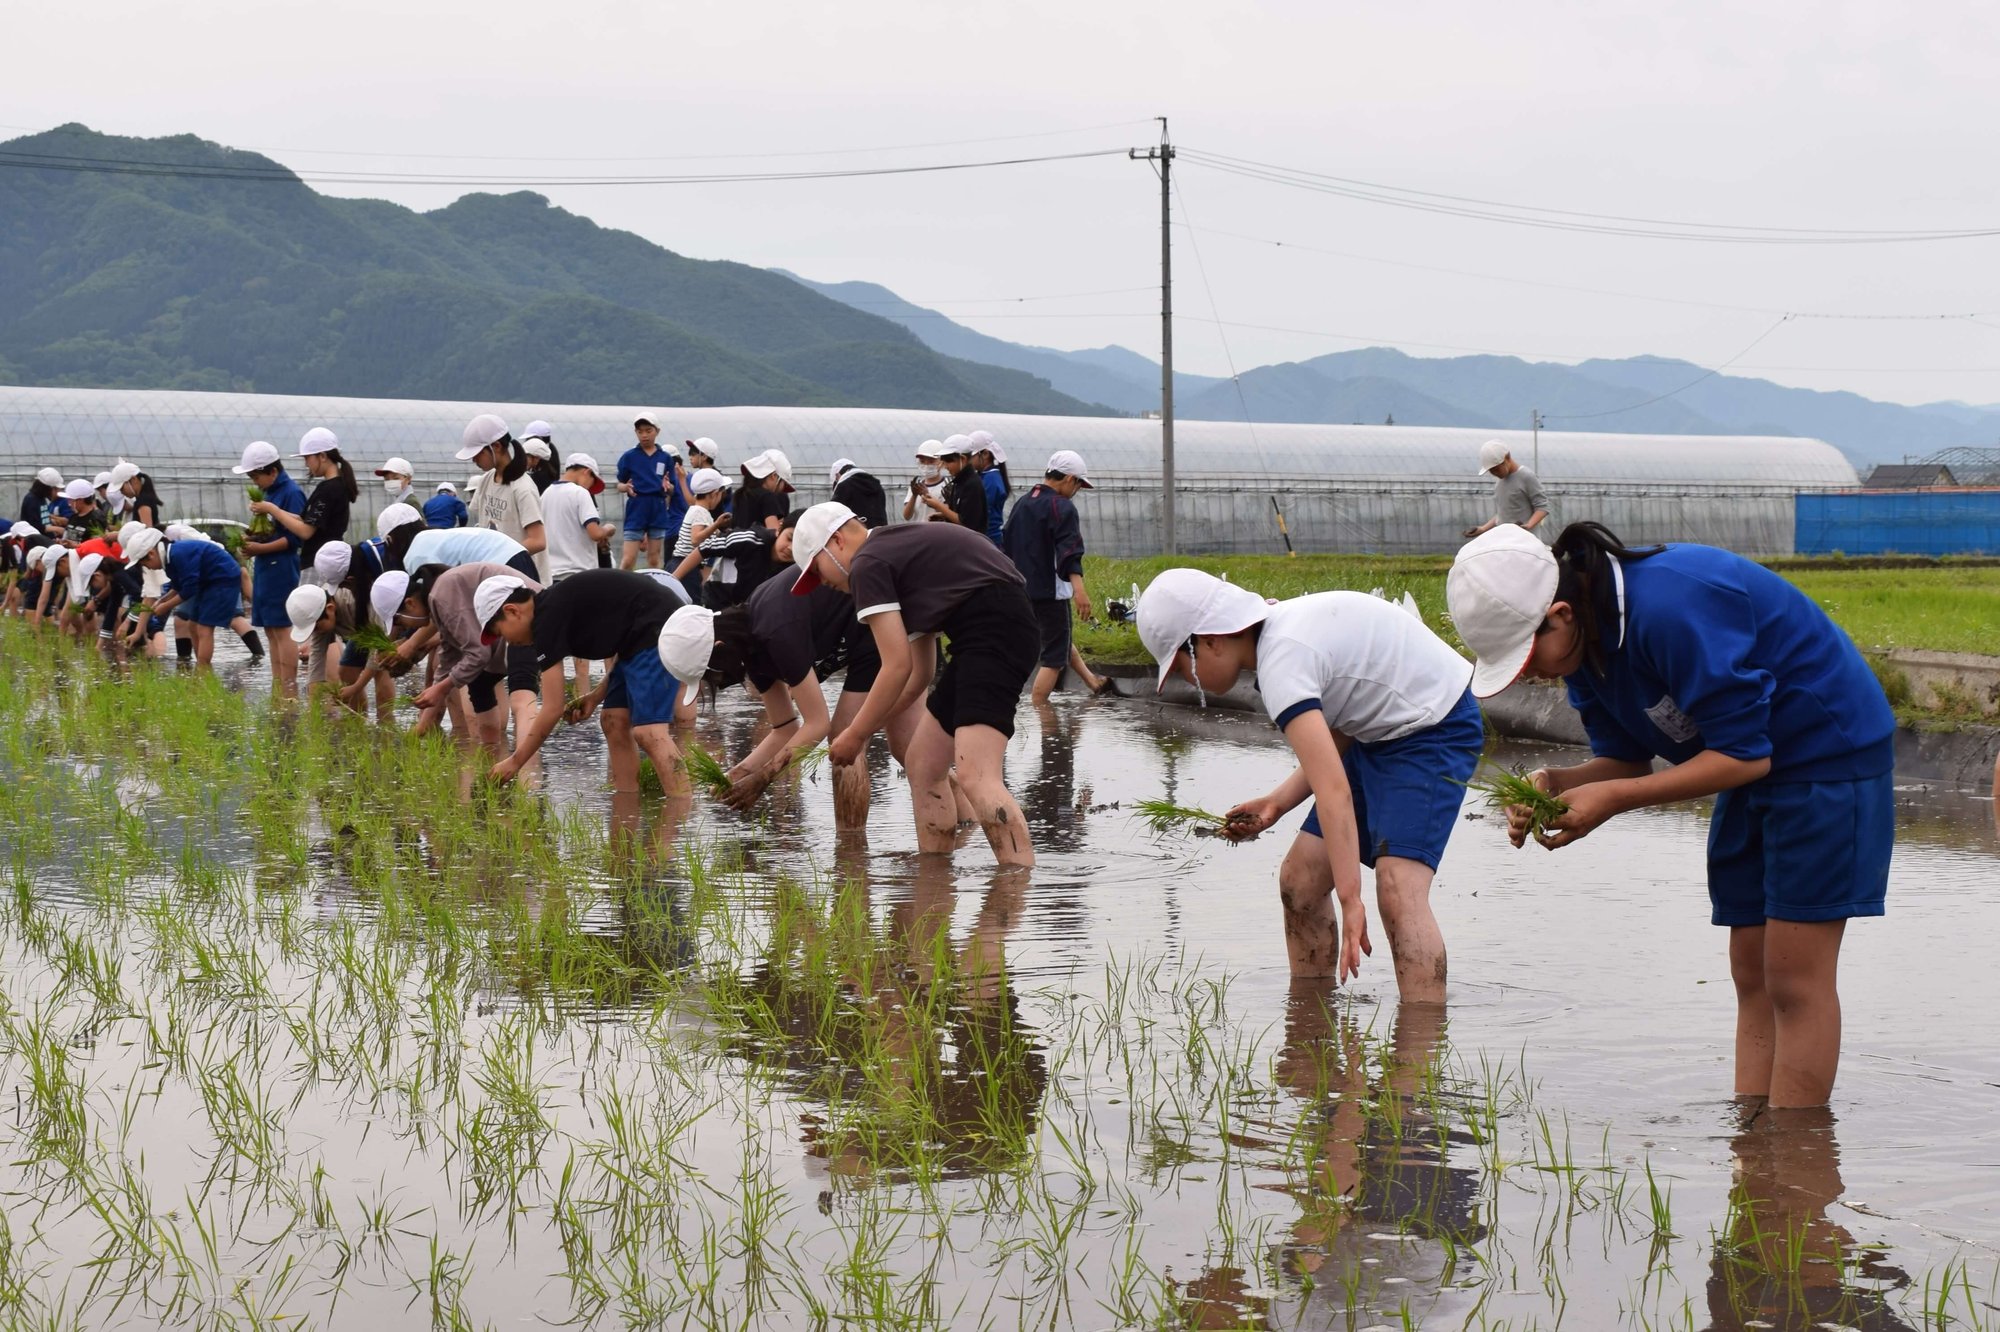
[933,474]
[392,485]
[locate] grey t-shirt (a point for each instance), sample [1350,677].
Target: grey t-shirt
[1516,497]
[925,570]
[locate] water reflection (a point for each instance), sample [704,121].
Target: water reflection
[1779,1261]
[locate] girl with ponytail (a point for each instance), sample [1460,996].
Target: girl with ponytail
[331,502]
[1753,697]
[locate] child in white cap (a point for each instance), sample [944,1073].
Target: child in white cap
[1378,711]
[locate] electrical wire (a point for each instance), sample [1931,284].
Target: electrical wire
[1558,219]
[200,171]
[1672,393]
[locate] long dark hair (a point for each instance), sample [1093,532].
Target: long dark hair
[41,490]
[517,459]
[421,583]
[398,544]
[147,498]
[345,480]
[730,661]
[1006,482]
[544,471]
[1584,553]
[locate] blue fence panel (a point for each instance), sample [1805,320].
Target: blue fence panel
[1898,522]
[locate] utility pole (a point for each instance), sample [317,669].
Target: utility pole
[1535,419]
[1163,155]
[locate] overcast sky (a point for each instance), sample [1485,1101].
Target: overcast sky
[1822,114]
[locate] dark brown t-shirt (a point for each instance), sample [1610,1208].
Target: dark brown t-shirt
[924,570]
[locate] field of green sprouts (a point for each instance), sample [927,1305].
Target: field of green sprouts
[302,1026]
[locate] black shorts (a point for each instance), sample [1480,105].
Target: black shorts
[858,656]
[522,563]
[992,654]
[1053,619]
[520,676]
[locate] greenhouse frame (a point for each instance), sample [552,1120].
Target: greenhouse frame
[1387,489]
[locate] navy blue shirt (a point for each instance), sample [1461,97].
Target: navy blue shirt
[647,473]
[1044,538]
[1715,652]
[285,493]
[996,502]
[444,510]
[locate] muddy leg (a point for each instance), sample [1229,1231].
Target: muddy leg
[927,761]
[1312,917]
[1403,893]
[851,793]
[981,754]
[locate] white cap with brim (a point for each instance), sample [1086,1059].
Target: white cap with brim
[395,516]
[982,441]
[490,596]
[537,448]
[186,532]
[816,527]
[768,462]
[142,544]
[333,561]
[1182,603]
[480,431]
[1499,591]
[1068,462]
[21,529]
[840,467]
[101,481]
[80,571]
[1491,454]
[588,464]
[50,477]
[396,467]
[687,641]
[303,607]
[123,472]
[257,455]
[704,446]
[79,489]
[317,440]
[930,450]
[125,533]
[446,488]
[955,446]
[652,419]
[706,481]
[386,597]
[538,430]
[52,556]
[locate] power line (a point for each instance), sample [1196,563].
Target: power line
[1588,291]
[201,171]
[1557,219]
[690,157]
[1704,376]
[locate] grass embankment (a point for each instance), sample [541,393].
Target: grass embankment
[1943,607]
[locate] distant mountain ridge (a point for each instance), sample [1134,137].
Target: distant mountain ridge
[132,279]
[1374,384]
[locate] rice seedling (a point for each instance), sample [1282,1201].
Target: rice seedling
[1164,816]
[370,637]
[262,524]
[1505,790]
[706,770]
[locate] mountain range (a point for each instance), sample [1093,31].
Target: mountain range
[180,263]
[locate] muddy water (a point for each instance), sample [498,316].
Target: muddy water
[1590,1008]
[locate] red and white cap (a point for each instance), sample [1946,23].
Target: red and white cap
[1499,591]
[816,527]
[588,464]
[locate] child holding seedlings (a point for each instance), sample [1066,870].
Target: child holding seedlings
[274,566]
[202,575]
[324,517]
[1377,709]
[599,614]
[1731,674]
[470,658]
[911,584]
[780,643]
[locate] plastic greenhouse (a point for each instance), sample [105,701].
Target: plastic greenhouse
[1341,488]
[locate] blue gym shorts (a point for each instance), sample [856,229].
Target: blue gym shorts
[272,579]
[1803,851]
[216,604]
[1407,792]
[646,516]
[641,684]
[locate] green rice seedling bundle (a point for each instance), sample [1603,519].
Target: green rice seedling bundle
[232,539]
[261,524]
[371,638]
[1504,789]
[1164,816]
[806,762]
[706,770]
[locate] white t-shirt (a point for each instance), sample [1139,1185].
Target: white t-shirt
[1376,670]
[697,521]
[568,510]
[510,509]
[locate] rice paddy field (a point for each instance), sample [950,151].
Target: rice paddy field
[304,1026]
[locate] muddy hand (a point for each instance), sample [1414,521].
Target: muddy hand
[1520,817]
[1247,820]
[744,790]
[1354,942]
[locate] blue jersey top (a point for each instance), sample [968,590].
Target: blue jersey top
[996,502]
[444,510]
[285,493]
[1045,541]
[194,565]
[1712,651]
[647,473]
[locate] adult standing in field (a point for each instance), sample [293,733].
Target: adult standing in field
[327,509]
[274,561]
[1378,710]
[781,644]
[1736,678]
[989,458]
[507,501]
[1518,497]
[859,491]
[604,615]
[647,475]
[1044,539]
[911,584]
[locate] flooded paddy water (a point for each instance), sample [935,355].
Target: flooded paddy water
[300,1028]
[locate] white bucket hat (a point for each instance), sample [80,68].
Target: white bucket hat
[687,640]
[1182,603]
[1499,591]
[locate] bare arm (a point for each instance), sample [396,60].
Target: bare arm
[547,717]
[1319,760]
[893,643]
[1629,786]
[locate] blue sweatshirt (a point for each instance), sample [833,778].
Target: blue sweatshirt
[1045,540]
[191,566]
[996,502]
[445,510]
[1715,652]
